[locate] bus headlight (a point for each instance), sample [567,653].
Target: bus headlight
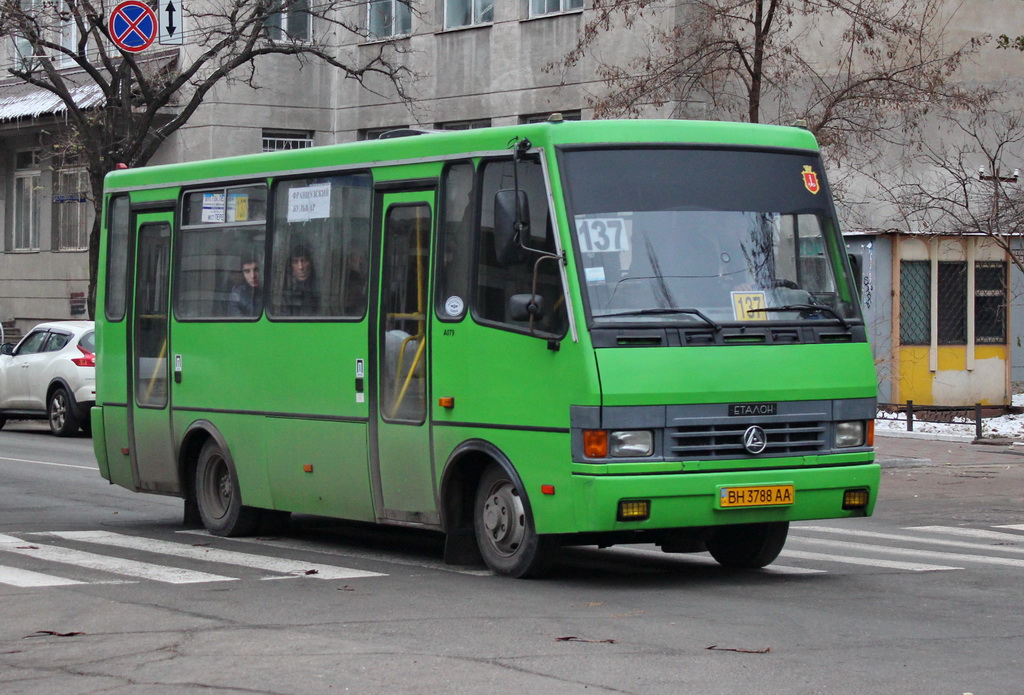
[849,434]
[630,443]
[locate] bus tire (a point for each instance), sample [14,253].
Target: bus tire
[504,529]
[60,411]
[219,497]
[748,546]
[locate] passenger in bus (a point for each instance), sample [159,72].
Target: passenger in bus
[246,299]
[301,296]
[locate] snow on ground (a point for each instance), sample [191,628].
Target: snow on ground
[1011,426]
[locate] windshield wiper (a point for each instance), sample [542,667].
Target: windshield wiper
[804,307]
[653,312]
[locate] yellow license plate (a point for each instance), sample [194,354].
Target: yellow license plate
[756,496]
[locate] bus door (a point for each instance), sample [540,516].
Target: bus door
[403,474]
[151,446]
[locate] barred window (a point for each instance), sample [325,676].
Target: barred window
[71,209]
[952,300]
[465,125]
[990,302]
[277,140]
[915,302]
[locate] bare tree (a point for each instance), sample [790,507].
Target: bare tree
[121,106]
[855,71]
[970,185]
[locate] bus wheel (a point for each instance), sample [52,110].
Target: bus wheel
[218,496]
[504,529]
[748,546]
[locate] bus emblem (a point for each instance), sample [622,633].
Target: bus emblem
[755,440]
[811,180]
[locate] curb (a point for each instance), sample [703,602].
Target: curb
[934,436]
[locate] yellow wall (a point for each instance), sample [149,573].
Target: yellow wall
[952,383]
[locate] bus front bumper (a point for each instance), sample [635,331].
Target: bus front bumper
[697,499]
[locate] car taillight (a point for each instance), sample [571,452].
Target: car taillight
[87,359]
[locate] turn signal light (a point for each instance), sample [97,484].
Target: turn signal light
[855,499]
[634,510]
[595,444]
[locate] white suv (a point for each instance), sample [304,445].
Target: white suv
[50,374]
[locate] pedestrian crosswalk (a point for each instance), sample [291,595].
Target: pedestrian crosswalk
[70,558]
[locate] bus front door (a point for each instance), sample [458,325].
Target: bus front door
[403,475]
[151,445]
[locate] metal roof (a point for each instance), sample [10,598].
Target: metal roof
[41,102]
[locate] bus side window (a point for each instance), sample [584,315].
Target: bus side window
[497,282]
[223,231]
[456,243]
[119,231]
[320,256]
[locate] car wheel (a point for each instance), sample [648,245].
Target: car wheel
[219,497]
[504,529]
[748,546]
[61,414]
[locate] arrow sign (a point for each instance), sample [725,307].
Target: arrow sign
[171,23]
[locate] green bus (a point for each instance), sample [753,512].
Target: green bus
[525,337]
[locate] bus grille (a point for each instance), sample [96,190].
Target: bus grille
[706,441]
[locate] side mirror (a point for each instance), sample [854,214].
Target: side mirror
[7,349]
[523,307]
[509,232]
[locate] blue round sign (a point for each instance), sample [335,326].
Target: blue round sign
[132,26]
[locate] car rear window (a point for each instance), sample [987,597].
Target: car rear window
[88,341]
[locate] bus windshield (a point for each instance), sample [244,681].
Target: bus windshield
[716,236]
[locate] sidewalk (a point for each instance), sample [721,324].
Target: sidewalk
[895,449]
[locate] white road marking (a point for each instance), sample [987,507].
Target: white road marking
[312,546]
[130,568]
[971,533]
[1015,527]
[910,552]
[903,537]
[12,576]
[869,562]
[49,463]
[225,557]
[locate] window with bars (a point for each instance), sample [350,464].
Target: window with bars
[915,302]
[277,140]
[71,209]
[952,293]
[990,302]
[545,117]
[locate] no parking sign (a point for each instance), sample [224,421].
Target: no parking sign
[132,26]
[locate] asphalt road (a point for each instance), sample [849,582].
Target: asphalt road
[102,591]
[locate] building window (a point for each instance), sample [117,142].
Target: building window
[545,117]
[952,303]
[387,18]
[293,23]
[465,125]
[277,140]
[71,209]
[915,302]
[539,8]
[464,13]
[378,133]
[990,302]
[27,183]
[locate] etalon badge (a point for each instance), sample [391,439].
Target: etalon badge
[811,180]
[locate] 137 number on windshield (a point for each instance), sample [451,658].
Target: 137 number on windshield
[602,235]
